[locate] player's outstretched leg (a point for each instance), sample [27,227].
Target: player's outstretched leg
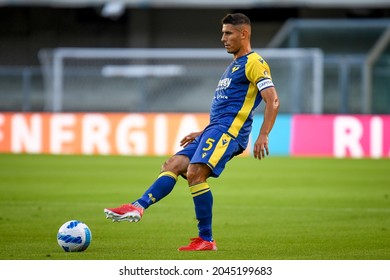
[157,191]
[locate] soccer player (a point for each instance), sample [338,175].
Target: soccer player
[244,84]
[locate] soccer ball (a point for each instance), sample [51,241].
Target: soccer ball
[74,236]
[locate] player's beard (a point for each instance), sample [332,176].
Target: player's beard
[232,51]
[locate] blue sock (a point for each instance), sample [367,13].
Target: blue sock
[203,200]
[158,190]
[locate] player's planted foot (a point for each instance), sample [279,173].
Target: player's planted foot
[199,244]
[126,212]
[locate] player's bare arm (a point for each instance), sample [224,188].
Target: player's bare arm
[270,97]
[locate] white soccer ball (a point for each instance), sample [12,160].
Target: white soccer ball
[74,236]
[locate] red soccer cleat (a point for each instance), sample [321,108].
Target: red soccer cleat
[126,212]
[199,244]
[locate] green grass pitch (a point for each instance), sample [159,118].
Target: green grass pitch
[280,208]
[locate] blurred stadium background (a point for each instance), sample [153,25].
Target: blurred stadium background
[134,56]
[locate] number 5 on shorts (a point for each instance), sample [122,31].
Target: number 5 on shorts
[210,143]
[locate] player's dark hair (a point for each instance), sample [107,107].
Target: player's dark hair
[236,19]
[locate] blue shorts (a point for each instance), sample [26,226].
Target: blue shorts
[214,148]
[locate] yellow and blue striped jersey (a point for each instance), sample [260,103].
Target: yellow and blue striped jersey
[237,96]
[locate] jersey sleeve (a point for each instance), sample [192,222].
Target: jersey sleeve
[259,74]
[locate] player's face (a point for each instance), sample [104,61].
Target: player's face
[231,38]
